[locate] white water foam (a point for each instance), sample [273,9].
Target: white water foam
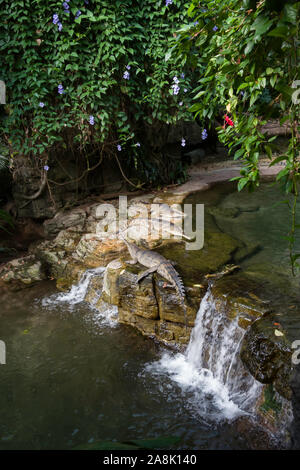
[211,372]
[105,315]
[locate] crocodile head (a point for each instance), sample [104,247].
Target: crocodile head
[133,249]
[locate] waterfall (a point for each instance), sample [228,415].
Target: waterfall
[211,372]
[77,292]
[104,314]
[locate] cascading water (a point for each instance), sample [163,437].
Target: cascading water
[104,314]
[211,371]
[77,292]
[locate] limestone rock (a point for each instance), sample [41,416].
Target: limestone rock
[237,296]
[94,252]
[110,292]
[25,270]
[63,220]
[137,298]
[267,356]
[170,308]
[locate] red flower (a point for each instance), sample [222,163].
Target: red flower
[228,120]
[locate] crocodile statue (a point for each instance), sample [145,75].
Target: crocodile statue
[157,263]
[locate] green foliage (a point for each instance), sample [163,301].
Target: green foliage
[247,57]
[88,57]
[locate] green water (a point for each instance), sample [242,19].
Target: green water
[71,379]
[259,219]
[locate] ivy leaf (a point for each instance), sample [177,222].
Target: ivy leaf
[242,183]
[268,151]
[278,159]
[261,25]
[291,13]
[279,31]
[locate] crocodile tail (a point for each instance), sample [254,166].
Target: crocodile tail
[179,286]
[172,275]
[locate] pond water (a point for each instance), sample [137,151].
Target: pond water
[261,220]
[74,376]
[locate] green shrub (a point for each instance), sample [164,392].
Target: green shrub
[67,76]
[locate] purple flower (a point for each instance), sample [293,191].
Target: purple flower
[46,168]
[41,104]
[119,148]
[66,5]
[55,19]
[78,14]
[126,75]
[128,67]
[215,28]
[182,142]
[204,134]
[181,103]
[185,90]
[176,89]
[60,89]
[60,26]
[169,2]
[86,2]
[138,144]
[182,76]
[91,120]
[175,86]
[196,22]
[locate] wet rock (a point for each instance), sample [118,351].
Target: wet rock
[63,220]
[274,413]
[172,333]
[237,296]
[93,251]
[267,356]
[169,304]
[226,212]
[295,425]
[67,240]
[146,326]
[217,251]
[94,290]
[111,282]
[25,270]
[256,435]
[70,274]
[136,298]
